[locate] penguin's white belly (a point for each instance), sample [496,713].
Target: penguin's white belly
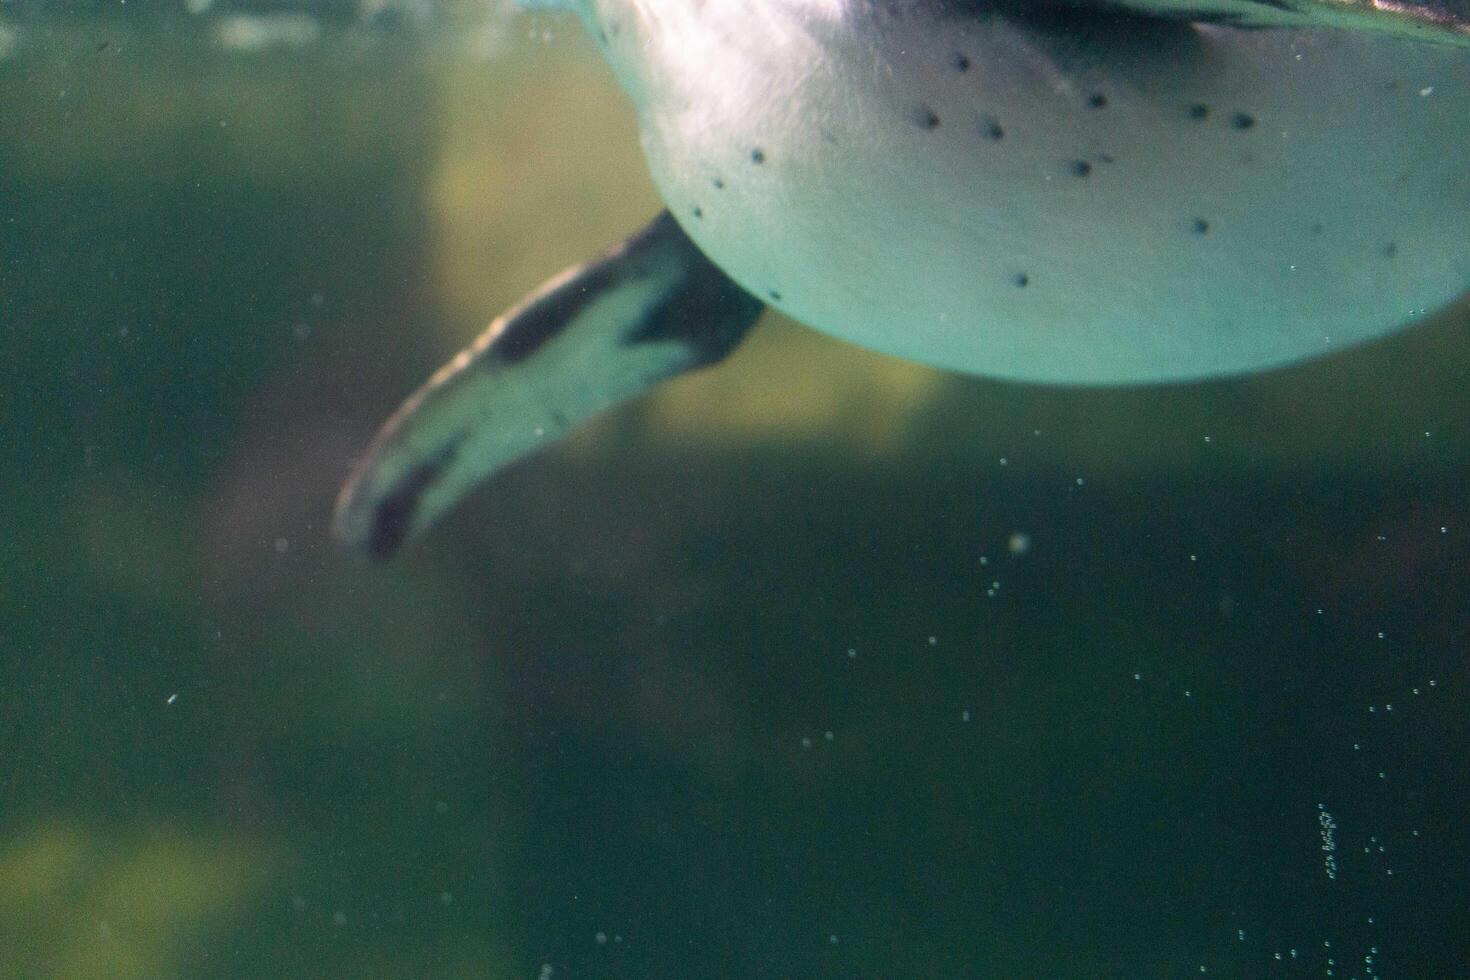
[1125,206]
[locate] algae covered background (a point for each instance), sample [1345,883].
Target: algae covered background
[817,664]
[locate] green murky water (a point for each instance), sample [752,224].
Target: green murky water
[814,665]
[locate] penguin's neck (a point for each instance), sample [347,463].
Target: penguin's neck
[669,54]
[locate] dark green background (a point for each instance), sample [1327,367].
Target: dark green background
[596,702]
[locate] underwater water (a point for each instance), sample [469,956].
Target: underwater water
[815,664]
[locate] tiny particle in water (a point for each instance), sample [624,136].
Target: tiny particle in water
[446,899]
[934,641]
[965,715]
[601,938]
[339,919]
[851,653]
[282,545]
[828,736]
[1138,677]
[1019,543]
[806,743]
[174,697]
[441,807]
[832,939]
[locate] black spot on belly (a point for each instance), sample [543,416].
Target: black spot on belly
[1080,168]
[1200,226]
[1242,120]
[1021,280]
[1390,250]
[991,129]
[757,156]
[775,296]
[719,184]
[926,118]
[960,62]
[698,212]
[1097,101]
[1199,112]
[1318,228]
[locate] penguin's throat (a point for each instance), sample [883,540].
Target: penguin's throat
[715,54]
